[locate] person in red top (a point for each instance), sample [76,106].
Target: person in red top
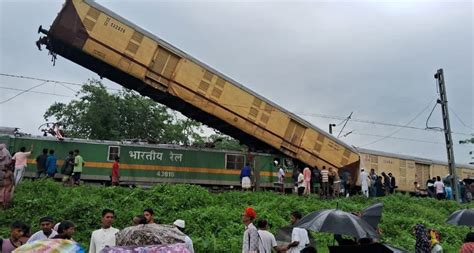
[468,245]
[115,171]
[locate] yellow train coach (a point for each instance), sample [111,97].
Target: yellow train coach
[409,169]
[102,41]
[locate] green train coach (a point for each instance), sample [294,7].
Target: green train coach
[147,164]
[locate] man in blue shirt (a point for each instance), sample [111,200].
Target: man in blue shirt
[51,164]
[245,175]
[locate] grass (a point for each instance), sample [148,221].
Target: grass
[213,220]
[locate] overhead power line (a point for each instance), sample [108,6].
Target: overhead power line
[460,120]
[38,92]
[342,118]
[400,128]
[19,94]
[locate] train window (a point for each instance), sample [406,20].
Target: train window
[234,162]
[113,152]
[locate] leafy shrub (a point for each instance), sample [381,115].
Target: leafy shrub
[213,221]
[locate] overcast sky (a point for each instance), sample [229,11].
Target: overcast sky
[318,59]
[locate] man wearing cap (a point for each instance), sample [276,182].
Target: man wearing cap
[250,242]
[105,236]
[46,232]
[180,224]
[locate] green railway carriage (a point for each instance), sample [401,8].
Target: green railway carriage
[102,41]
[146,164]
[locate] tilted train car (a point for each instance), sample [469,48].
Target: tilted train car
[409,169]
[146,164]
[102,41]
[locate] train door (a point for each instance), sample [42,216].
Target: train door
[422,172]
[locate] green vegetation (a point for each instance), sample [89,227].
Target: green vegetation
[213,220]
[99,114]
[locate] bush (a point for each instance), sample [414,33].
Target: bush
[213,221]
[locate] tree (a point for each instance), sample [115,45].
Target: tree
[98,114]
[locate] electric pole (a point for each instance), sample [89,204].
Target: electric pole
[330,128]
[447,131]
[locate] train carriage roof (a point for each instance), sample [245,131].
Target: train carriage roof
[131,144]
[187,56]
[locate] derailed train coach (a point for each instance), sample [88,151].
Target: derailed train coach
[102,41]
[147,164]
[409,169]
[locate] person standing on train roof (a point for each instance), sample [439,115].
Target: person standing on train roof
[51,164]
[21,160]
[149,216]
[307,181]
[115,171]
[245,175]
[41,163]
[78,165]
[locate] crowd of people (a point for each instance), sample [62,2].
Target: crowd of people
[20,232]
[436,188]
[13,167]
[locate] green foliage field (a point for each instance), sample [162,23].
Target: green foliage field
[213,220]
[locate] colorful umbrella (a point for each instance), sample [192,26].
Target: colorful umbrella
[51,246]
[149,234]
[171,248]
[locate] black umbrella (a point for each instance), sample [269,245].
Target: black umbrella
[373,214]
[283,235]
[337,222]
[462,217]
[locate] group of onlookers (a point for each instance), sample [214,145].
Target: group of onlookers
[12,169]
[373,185]
[71,169]
[329,184]
[100,238]
[436,188]
[259,239]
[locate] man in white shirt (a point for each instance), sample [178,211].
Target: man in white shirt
[364,182]
[299,236]
[105,236]
[180,224]
[281,179]
[266,241]
[46,232]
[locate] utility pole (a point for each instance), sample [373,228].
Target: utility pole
[447,131]
[330,128]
